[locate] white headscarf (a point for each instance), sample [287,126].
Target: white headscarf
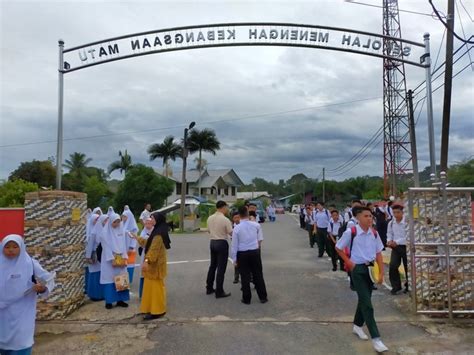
[98,228]
[110,211]
[91,222]
[130,225]
[16,273]
[113,239]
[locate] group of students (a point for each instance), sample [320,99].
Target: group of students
[245,236]
[112,245]
[357,241]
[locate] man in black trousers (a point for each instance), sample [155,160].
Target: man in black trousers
[220,229]
[245,252]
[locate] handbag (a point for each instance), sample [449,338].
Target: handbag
[119,260]
[122,282]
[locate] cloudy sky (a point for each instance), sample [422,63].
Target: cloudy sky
[276,110]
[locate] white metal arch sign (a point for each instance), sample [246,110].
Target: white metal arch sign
[241,34]
[394,50]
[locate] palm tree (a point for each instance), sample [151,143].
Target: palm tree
[204,140]
[122,165]
[77,163]
[168,150]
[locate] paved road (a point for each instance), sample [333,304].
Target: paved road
[310,311]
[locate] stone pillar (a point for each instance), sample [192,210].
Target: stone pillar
[55,235]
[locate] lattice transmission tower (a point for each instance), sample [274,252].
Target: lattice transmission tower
[396,140]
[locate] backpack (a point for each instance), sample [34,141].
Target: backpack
[98,251]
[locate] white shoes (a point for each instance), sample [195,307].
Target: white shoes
[378,345]
[359,332]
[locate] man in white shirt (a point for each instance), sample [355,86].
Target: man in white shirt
[247,238]
[396,239]
[321,221]
[365,249]
[145,214]
[309,225]
[334,233]
[220,229]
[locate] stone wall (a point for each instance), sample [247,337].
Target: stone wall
[55,235]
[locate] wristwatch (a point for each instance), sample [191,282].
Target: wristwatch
[146,260]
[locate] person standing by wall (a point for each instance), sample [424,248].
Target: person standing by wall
[220,229]
[396,239]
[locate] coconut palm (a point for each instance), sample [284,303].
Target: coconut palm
[203,141]
[77,163]
[122,165]
[168,150]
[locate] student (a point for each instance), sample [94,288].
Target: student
[310,227]
[302,216]
[252,207]
[145,234]
[334,233]
[236,221]
[91,218]
[247,238]
[94,289]
[365,249]
[22,279]
[396,239]
[220,230]
[153,303]
[271,213]
[321,221]
[130,225]
[113,261]
[146,213]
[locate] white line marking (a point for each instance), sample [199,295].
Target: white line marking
[201,261]
[178,262]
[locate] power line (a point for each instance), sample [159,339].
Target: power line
[205,122]
[381,7]
[462,28]
[467,12]
[446,25]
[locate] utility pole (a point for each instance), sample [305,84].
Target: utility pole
[448,76]
[324,185]
[411,125]
[183,176]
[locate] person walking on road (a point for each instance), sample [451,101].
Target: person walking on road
[396,239]
[236,221]
[245,252]
[309,224]
[220,229]
[321,221]
[365,248]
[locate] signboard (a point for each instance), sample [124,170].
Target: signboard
[242,34]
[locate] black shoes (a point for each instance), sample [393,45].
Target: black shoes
[264,300]
[245,302]
[109,305]
[236,281]
[210,291]
[395,290]
[153,316]
[222,295]
[334,268]
[122,304]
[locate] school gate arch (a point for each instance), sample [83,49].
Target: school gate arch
[242,34]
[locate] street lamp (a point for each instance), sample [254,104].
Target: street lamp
[183,176]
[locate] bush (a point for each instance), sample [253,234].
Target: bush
[42,173]
[96,191]
[12,193]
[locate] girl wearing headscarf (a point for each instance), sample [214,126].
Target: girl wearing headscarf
[22,279]
[130,225]
[114,249]
[91,218]
[94,290]
[145,234]
[154,270]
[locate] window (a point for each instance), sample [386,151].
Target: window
[234,190]
[178,188]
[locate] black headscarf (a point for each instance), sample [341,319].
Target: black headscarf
[162,229]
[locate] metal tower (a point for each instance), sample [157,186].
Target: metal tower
[397,150]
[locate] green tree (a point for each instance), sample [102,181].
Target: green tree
[12,193]
[77,164]
[42,173]
[96,191]
[168,150]
[122,165]
[203,141]
[462,174]
[141,185]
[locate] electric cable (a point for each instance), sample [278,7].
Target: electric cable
[446,25]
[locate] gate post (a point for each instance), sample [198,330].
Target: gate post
[59,151]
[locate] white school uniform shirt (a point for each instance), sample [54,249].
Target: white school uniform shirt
[130,225]
[396,232]
[17,310]
[365,245]
[93,243]
[245,236]
[308,218]
[144,215]
[113,242]
[334,230]
[145,234]
[321,218]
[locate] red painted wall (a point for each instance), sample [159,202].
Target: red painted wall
[12,221]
